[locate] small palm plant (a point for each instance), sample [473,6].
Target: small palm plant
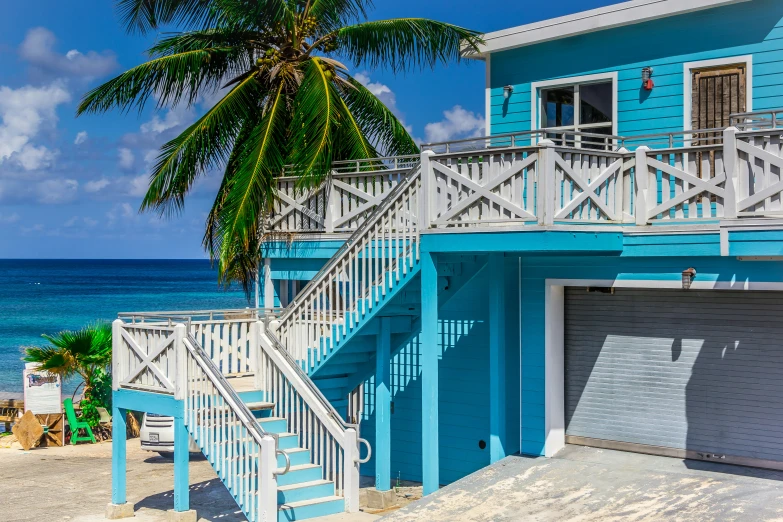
[288,100]
[85,352]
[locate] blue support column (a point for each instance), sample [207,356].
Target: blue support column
[429,373]
[383,407]
[497,357]
[181,462]
[118,458]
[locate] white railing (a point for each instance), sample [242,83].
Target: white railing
[759,182]
[333,444]
[371,263]
[144,357]
[225,335]
[350,194]
[242,454]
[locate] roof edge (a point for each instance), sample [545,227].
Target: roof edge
[594,20]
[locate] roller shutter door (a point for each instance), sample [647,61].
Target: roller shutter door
[695,374]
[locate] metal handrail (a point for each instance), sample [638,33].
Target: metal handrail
[226,391]
[601,139]
[410,177]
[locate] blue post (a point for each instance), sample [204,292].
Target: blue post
[383,407]
[497,358]
[181,461]
[429,373]
[118,458]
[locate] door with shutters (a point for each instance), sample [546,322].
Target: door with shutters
[688,374]
[717,94]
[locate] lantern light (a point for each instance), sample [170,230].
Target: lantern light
[507,90]
[687,278]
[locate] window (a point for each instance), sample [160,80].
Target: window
[585,107]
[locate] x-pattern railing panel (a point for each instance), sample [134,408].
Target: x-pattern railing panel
[760,183]
[355,196]
[590,186]
[298,211]
[686,185]
[484,189]
[149,358]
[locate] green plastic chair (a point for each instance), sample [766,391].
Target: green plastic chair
[77,425]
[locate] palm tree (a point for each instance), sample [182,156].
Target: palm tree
[288,100]
[85,352]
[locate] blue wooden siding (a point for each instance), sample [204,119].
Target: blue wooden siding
[748,28]
[463,389]
[535,271]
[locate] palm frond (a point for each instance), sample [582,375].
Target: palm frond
[404,44]
[144,16]
[314,125]
[333,14]
[204,145]
[379,125]
[252,188]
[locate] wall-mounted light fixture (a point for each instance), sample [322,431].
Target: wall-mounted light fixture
[507,90]
[687,278]
[647,81]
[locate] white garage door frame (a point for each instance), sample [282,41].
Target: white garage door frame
[554,339]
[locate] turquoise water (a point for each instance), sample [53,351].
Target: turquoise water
[46,296]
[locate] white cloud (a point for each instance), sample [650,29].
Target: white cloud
[90,222]
[126,158]
[71,222]
[138,185]
[381,91]
[457,123]
[80,138]
[96,185]
[25,112]
[53,191]
[7,219]
[175,117]
[38,50]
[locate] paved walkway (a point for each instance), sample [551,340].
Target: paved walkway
[74,484]
[585,484]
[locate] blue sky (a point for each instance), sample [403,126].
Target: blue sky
[70,188]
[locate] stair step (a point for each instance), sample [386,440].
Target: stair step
[287,441]
[298,457]
[320,507]
[305,491]
[298,474]
[274,424]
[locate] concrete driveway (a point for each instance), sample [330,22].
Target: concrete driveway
[586,484]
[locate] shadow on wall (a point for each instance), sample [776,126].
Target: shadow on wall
[463,405]
[695,370]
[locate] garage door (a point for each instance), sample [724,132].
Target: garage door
[695,374]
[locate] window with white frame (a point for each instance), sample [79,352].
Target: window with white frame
[584,107]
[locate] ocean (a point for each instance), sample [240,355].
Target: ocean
[47,296]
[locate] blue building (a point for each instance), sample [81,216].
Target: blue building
[603,268]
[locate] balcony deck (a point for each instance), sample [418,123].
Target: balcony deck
[713,181]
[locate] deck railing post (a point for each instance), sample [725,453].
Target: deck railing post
[116,354]
[255,352]
[267,490]
[730,165]
[331,205]
[351,471]
[546,182]
[180,365]
[426,212]
[641,201]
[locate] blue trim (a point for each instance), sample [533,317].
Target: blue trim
[383,406]
[181,462]
[302,248]
[527,242]
[118,453]
[149,402]
[497,358]
[756,243]
[429,373]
